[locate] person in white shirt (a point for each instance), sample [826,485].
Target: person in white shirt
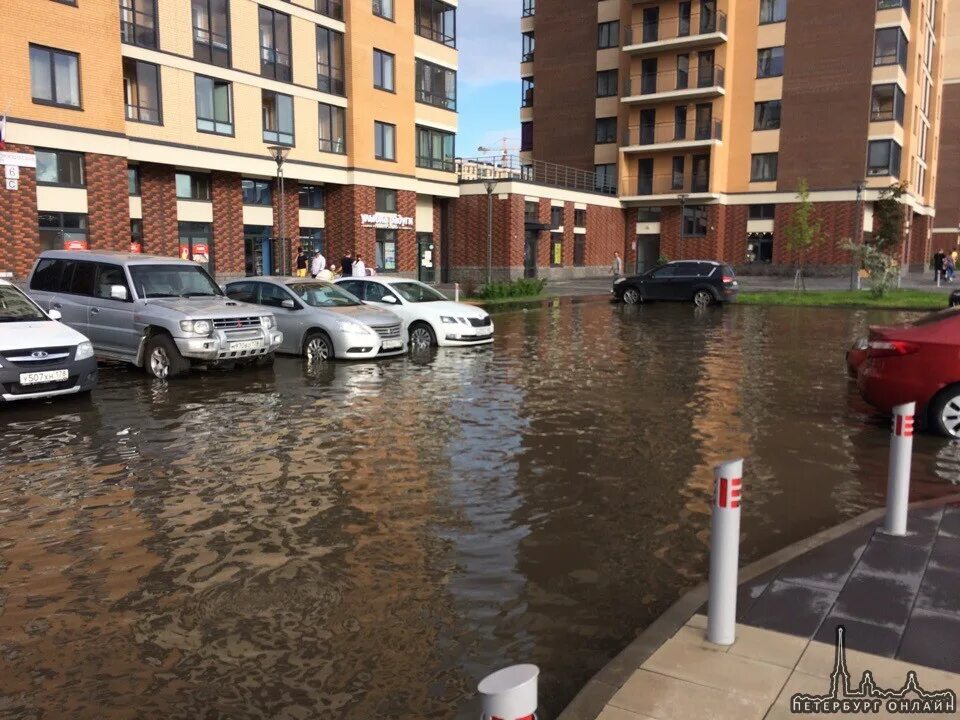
[359,269]
[318,263]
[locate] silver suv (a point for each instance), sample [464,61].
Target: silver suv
[160,313]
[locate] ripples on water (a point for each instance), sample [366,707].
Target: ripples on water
[368,540]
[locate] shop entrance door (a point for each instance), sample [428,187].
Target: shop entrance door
[257,255]
[426,258]
[648,252]
[530,238]
[195,243]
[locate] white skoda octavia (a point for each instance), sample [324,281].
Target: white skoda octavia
[428,316]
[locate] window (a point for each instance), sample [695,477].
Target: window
[556,249]
[648,214]
[526,92]
[529,8]
[556,216]
[680,122]
[311,197]
[386,251]
[579,250]
[193,186]
[526,135]
[312,240]
[529,44]
[760,247]
[59,231]
[277,118]
[133,180]
[437,21]
[383,8]
[606,130]
[436,85]
[275,45]
[763,167]
[580,218]
[676,176]
[770,62]
[136,235]
[384,141]
[333,129]
[606,83]
[608,34]
[330,8]
[888,4]
[214,105]
[766,115]
[141,91]
[890,47]
[605,180]
[887,103]
[138,22]
[773,11]
[694,220]
[761,212]
[330,61]
[435,149]
[683,71]
[386,200]
[383,70]
[211,32]
[531,212]
[883,158]
[54,77]
[683,19]
[257,192]
[58,167]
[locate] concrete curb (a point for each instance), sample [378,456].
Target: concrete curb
[601,688]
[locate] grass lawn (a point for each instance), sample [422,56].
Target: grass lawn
[893,300]
[506,300]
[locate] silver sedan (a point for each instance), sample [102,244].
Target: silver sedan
[320,320]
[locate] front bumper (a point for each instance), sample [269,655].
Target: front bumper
[360,346]
[220,347]
[462,339]
[82,377]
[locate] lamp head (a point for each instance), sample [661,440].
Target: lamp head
[278,153]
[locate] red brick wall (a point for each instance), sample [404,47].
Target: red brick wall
[291,204]
[629,239]
[406,239]
[568,225]
[19,234]
[344,204]
[543,238]
[159,204]
[439,239]
[227,194]
[838,222]
[921,242]
[605,235]
[108,204]
[467,240]
[735,234]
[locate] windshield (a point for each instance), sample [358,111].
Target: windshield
[417,293]
[321,294]
[17,307]
[157,281]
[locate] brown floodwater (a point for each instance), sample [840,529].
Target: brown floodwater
[370,539]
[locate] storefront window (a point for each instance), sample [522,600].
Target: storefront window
[62,231]
[760,247]
[311,240]
[257,250]
[386,251]
[136,235]
[196,243]
[556,249]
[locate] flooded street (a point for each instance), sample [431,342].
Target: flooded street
[368,540]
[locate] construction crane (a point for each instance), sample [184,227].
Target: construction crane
[505,150]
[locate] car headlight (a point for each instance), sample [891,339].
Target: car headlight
[198,327]
[447,320]
[84,350]
[348,326]
[268,322]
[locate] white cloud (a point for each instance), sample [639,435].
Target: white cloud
[488,37]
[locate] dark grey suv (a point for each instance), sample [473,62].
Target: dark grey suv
[702,282]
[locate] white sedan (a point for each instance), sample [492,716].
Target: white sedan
[428,316]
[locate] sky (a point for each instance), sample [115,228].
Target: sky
[488,82]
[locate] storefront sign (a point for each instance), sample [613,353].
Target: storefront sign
[20,159]
[386,221]
[74,244]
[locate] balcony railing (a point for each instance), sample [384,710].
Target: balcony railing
[676,28]
[672,80]
[529,8]
[511,167]
[436,99]
[667,184]
[673,132]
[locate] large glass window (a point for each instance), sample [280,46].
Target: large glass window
[436,85]
[257,192]
[330,8]
[770,62]
[437,21]
[54,77]
[133,180]
[608,34]
[192,186]
[383,8]
[526,136]
[311,197]
[59,167]
[763,167]
[330,61]
[760,247]
[883,158]
[607,83]
[606,178]
[526,92]
[762,212]
[384,140]
[211,31]
[606,130]
[890,47]
[773,11]
[277,118]
[138,22]
[275,45]
[887,103]
[141,91]
[435,149]
[766,115]
[383,70]
[386,200]
[62,231]
[694,220]
[528,46]
[214,105]
[196,244]
[333,129]
[386,258]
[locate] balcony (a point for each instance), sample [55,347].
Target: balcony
[648,88]
[698,30]
[667,189]
[513,168]
[672,136]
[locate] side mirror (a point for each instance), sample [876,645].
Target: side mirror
[389,299]
[118,292]
[54,314]
[288,304]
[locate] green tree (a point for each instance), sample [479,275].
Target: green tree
[803,231]
[888,215]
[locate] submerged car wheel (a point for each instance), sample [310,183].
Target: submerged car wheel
[163,360]
[317,348]
[421,336]
[703,298]
[631,296]
[945,412]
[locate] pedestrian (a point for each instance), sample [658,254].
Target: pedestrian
[334,272]
[950,268]
[346,265]
[318,263]
[301,263]
[326,274]
[358,269]
[938,261]
[617,266]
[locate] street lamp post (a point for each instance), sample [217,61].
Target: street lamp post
[490,184]
[683,205]
[279,153]
[854,270]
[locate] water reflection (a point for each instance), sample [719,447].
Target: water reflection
[367,540]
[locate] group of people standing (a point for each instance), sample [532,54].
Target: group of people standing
[944,266]
[317,268]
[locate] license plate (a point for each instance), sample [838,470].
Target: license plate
[484,331]
[245,345]
[43,377]
[392,344]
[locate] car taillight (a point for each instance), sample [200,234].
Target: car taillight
[890,348]
[728,278]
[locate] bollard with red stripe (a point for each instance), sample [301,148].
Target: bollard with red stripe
[510,693]
[724,553]
[898,475]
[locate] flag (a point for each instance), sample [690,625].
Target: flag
[3,132]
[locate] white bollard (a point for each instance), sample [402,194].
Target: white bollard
[456,292]
[510,693]
[898,476]
[938,274]
[724,553]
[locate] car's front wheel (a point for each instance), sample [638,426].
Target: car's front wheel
[631,296]
[163,359]
[703,298]
[944,412]
[317,348]
[421,336]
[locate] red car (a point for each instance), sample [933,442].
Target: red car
[920,363]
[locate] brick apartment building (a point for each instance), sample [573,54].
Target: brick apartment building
[704,115]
